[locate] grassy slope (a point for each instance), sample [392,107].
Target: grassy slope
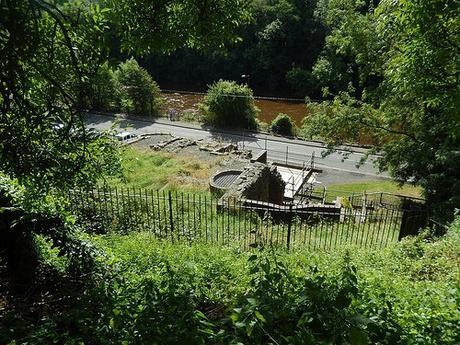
[415,282]
[148,291]
[375,186]
[158,170]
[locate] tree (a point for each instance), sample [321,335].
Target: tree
[47,56]
[352,57]
[302,81]
[103,89]
[146,26]
[415,120]
[283,35]
[137,92]
[283,125]
[49,53]
[227,104]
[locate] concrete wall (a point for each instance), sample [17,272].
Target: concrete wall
[258,182]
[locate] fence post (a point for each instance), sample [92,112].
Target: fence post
[289,226]
[171,223]
[287,154]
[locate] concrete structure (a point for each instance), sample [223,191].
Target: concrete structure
[223,180]
[260,182]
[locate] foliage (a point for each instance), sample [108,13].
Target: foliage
[283,125]
[277,49]
[163,26]
[227,104]
[411,114]
[103,89]
[176,293]
[138,93]
[43,80]
[23,219]
[352,58]
[339,121]
[302,81]
[51,68]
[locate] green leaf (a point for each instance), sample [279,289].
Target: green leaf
[358,337]
[260,316]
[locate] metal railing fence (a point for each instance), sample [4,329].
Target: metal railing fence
[177,216]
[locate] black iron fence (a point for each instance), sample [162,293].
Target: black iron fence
[177,216]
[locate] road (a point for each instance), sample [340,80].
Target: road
[279,149]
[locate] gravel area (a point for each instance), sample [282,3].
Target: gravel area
[332,176]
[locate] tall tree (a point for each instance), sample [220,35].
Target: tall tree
[415,121]
[283,36]
[49,52]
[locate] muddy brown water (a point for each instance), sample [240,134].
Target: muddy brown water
[269,109]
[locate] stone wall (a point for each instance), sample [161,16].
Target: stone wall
[258,181]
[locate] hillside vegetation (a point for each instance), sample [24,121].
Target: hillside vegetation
[387,71]
[147,291]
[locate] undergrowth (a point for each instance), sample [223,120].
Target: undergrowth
[152,292]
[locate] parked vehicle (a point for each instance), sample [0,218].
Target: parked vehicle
[125,136]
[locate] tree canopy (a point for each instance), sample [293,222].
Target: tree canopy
[138,93]
[412,111]
[50,52]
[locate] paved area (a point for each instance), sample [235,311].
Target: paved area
[279,149]
[294,179]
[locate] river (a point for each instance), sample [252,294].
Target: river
[269,109]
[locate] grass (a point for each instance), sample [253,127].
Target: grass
[148,169]
[407,288]
[376,186]
[147,291]
[412,260]
[347,189]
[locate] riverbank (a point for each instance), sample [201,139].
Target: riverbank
[186,105]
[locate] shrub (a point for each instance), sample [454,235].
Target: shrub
[283,125]
[137,92]
[228,104]
[103,89]
[158,292]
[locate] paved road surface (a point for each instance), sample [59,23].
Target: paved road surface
[296,151]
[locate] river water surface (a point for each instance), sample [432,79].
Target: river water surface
[269,109]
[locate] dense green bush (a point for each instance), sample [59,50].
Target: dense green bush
[137,92]
[103,87]
[157,292]
[283,125]
[228,104]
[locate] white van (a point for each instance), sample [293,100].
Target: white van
[125,136]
